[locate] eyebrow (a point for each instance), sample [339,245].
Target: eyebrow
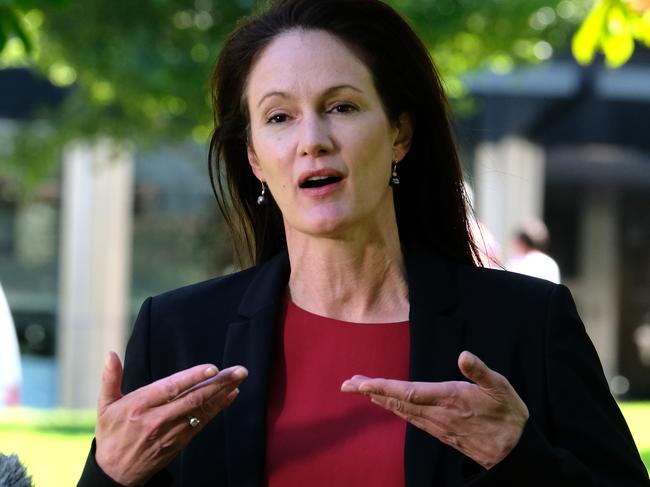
[327,92]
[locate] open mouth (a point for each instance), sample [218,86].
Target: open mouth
[320,181]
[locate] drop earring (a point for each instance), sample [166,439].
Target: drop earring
[394,180]
[261,199]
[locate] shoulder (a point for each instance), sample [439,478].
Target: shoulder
[225,297]
[189,325]
[501,276]
[213,301]
[213,291]
[185,326]
[506,295]
[497,281]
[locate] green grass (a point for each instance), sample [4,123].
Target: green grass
[637,415]
[53,444]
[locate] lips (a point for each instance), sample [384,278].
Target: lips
[319,178]
[319,181]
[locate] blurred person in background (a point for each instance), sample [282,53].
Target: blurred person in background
[342,357]
[10,371]
[531,241]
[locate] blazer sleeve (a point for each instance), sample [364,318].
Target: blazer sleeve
[587,442]
[137,373]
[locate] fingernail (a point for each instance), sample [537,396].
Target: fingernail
[210,371]
[239,373]
[107,362]
[233,395]
[347,386]
[469,360]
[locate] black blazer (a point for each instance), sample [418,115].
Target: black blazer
[527,329]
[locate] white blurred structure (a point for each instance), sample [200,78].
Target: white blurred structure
[509,183]
[10,371]
[95,266]
[489,249]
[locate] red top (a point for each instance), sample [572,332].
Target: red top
[318,435]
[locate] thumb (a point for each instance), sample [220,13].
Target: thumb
[111,388]
[475,370]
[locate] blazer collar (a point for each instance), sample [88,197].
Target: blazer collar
[437,336]
[431,280]
[436,340]
[250,342]
[268,287]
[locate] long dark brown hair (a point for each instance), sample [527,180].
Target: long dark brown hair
[430,202]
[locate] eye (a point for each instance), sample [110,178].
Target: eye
[277,118]
[343,108]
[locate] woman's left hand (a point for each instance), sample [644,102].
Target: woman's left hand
[483,420]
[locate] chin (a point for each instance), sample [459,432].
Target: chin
[324,225]
[327,229]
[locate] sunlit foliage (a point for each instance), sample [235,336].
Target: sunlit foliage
[612,27]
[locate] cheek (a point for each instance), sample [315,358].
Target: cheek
[269,158]
[373,136]
[374,154]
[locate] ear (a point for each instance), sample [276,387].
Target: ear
[254,163]
[403,136]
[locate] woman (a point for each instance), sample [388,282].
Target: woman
[334,161]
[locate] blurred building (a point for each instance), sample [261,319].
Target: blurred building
[109,229]
[571,146]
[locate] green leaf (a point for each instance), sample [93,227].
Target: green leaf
[586,40]
[641,28]
[12,25]
[617,43]
[19,31]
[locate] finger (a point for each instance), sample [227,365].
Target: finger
[397,405]
[235,374]
[211,398]
[181,431]
[414,415]
[475,370]
[352,384]
[426,393]
[111,386]
[217,404]
[416,421]
[167,388]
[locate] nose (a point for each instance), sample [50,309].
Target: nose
[315,137]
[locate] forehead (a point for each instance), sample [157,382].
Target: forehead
[304,61]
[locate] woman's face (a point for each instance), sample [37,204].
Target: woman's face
[319,136]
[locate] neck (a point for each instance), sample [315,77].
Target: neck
[359,277]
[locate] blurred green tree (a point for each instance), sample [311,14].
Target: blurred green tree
[140,70]
[11,24]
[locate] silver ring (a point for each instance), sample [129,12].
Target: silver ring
[194,421]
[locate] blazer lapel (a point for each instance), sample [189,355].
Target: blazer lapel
[250,342]
[436,341]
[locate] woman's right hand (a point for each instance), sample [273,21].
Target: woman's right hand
[139,433]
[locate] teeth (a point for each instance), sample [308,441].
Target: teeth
[318,181]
